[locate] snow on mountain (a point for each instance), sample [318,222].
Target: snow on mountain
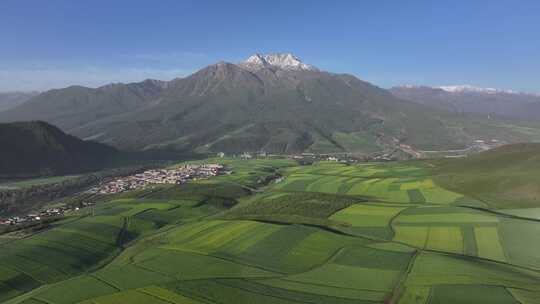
[474,89]
[465,88]
[286,61]
[471,99]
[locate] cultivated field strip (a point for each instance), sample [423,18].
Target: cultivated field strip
[326,233]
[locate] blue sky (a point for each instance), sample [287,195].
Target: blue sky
[55,43]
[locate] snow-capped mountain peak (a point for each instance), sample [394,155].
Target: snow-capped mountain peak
[474,89]
[286,61]
[256,59]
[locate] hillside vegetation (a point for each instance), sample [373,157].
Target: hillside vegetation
[234,108]
[29,149]
[505,177]
[324,233]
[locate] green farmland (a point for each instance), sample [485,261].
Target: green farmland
[325,233]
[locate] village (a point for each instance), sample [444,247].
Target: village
[47,213]
[179,175]
[34,216]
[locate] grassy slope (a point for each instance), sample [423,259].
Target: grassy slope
[85,243]
[34,182]
[407,244]
[506,177]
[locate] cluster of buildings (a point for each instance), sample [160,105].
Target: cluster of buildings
[335,157]
[486,144]
[15,220]
[41,215]
[247,155]
[177,176]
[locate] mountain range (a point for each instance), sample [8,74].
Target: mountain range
[272,102]
[10,100]
[471,99]
[37,149]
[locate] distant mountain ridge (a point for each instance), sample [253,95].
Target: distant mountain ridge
[471,99]
[76,105]
[10,100]
[274,102]
[37,148]
[473,89]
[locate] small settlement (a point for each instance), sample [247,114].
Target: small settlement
[32,217]
[177,176]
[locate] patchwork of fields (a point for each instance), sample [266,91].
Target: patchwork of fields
[326,233]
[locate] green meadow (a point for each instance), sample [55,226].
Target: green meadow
[324,233]
[18,184]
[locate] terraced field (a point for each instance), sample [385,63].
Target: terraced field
[381,182]
[326,233]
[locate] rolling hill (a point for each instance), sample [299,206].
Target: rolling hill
[329,232]
[37,148]
[506,177]
[274,103]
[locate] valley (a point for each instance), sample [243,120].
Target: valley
[268,181]
[329,232]
[269,152]
[276,152]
